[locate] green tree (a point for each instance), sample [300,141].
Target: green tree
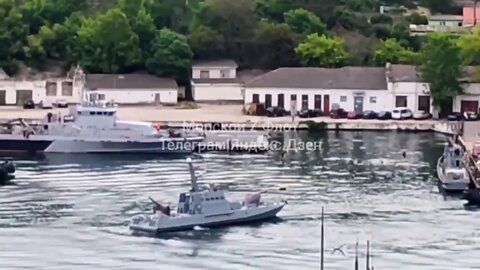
[206,43]
[13,33]
[438,6]
[470,48]
[304,22]
[321,51]
[274,10]
[417,19]
[171,55]
[173,14]
[381,19]
[101,47]
[274,46]
[392,51]
[441,67]
[35,52]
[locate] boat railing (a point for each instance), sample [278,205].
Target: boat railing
[473,170]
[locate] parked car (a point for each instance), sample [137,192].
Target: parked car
[61,103]
[470,116]
[338,113]
[401,113]
[275,112]
[384,115]
[454,116]
[354,115]
[308,113]
[369,115]
[29,104]
[46,104]
[422,115]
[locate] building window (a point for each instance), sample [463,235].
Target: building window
[204,74]
[255,98]
[400,101]
[318,102]
[373,99]
[343,98]
[67,89]
[51,89]
[293,97]
[225,73]
[424,103]
[304,102]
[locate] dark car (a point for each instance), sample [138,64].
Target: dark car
[29,104]
[309,113]
[369,115]
[275,112]
[338,113]
[470,116]
[384,115]
[454,116]
[354,115]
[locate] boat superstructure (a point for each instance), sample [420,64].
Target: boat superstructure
[93,127]
[204,208]
[451,171]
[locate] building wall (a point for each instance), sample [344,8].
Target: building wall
[373,99]
[445,23]
[139,96]
[214,72]
[39,91]
[472,93]
[412,90]
[217,92]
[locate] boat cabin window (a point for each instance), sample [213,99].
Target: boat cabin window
[92,113]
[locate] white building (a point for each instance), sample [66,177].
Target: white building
[219,80]
[135,88]
[407,89]
[352,88]
[41,87]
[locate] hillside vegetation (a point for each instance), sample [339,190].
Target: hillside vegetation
[164,36]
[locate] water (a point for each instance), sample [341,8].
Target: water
[70,212]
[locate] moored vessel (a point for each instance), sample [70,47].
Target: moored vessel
[451,171]
[204,208]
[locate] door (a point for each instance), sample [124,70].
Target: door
[469,106]
[401,101]
[256,98]
[358,104]
[3,99]
[157,98]
[268,101]
[23,95]
[326,104]
[281,101]
[424,103]
[318,102]
[304,102]
[446,107]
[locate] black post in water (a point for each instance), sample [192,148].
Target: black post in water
[368,256]
[322,245]
[356,256]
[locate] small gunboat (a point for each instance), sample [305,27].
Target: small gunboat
[452,174]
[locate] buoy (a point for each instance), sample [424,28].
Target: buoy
[282,188]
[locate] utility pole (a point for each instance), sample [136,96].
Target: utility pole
[322,245]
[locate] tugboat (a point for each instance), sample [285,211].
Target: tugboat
[6,172]
[452,174]
[93,127]
[207,208]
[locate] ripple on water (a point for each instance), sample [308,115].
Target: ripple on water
[70,212]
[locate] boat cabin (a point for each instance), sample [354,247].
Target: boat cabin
[453,157]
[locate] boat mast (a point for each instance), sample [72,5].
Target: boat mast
[322,245]
[193,178]
[368,256]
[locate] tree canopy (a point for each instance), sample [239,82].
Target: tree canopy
[321,51]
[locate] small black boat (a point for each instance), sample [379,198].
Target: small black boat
[7,169]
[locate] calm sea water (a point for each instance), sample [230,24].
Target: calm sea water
[71,212]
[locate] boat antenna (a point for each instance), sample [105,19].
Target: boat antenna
[193,178]
[322,251]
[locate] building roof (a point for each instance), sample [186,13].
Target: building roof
[3,74]
[404,73]
[458,18]
[129,81]
[225,63]
[369,78]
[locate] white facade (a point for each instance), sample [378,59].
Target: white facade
[139,96]
[13,92]
[412,92]
[216,82]
[371,99]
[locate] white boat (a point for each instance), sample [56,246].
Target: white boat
[204,208]
[451,171]
[93,127]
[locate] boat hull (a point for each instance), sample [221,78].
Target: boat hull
[450,186]
[472,196]
[189,223]
[40,144]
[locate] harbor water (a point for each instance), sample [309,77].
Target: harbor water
[71,211]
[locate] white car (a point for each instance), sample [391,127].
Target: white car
[401,113]
[61,103]
[46,104]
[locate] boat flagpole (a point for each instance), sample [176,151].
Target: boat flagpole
[368,256]
[193,178]
[356,256]
[322,251]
